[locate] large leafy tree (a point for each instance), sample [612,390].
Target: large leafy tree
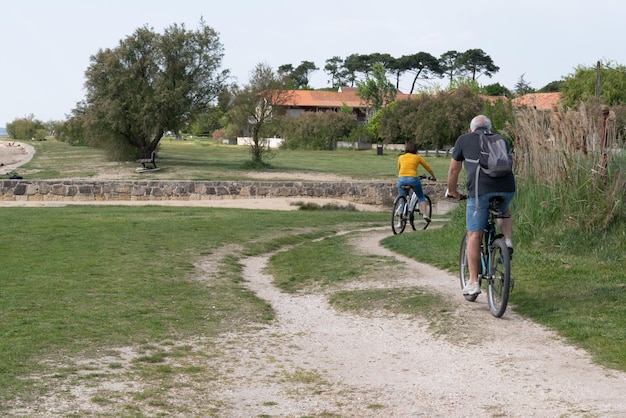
[302,74]
[476,62]
[298,77]
[354,64]
[376,90]
[450,64]
[423,65]
[254,109]
[431,120]
[334,68]
[150,83]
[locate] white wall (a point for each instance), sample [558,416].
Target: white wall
[273,142]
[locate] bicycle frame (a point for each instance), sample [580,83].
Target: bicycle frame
[409,209]
[494,263]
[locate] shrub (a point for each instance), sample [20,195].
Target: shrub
[316,131]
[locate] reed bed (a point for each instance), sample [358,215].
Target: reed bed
[570,166]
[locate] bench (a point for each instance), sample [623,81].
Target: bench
[149,163]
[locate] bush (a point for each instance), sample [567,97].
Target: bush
[26,129]
[317,131]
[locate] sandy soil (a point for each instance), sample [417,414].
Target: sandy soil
[369,366]
[14,154]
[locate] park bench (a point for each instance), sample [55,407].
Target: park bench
[148,163]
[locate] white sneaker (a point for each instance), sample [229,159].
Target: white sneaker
[471,289]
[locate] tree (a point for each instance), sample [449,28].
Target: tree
[423,65]
[523,87]
[581,86]
[477,63]
[333,68]
[211,120]
[450,64]
[431,120]
[25,129]
[254,109]
[376,91]
[302,74]
[150,83]
[356,63]
[552,87]
[495,89]
[317,130]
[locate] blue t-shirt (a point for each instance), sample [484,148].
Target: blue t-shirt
[467,147]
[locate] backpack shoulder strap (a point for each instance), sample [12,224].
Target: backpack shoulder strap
[476,160]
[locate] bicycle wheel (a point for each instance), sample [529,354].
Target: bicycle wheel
[398,222]
[416,216]
[499,283]
[464,268]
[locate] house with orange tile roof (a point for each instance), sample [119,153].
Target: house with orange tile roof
[539,101]
[322,100]
[300,101]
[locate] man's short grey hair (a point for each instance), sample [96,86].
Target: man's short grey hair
[480,121]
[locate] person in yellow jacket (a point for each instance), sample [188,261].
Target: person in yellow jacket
[407,174]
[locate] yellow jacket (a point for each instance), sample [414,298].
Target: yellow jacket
[408,163]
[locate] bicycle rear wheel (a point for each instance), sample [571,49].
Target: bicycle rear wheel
[416,217]
[464,268]
[398,222]
[499,283]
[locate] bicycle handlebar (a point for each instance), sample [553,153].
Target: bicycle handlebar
[461,196]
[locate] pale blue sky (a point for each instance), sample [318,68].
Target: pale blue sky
[45,45]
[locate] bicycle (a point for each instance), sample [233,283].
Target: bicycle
[495,262]
[401,212]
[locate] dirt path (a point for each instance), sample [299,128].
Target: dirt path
[356,366]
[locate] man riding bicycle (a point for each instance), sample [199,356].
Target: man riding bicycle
[467,148]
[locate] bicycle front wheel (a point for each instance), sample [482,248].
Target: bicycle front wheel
[417,218]
[398,221]
[499,283]
[464,274]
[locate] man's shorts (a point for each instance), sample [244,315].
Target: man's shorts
[476,217]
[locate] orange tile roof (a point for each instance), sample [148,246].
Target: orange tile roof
[322,98]
[540,101]
[348,96]
[329,99]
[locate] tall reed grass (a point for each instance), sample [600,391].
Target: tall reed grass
[570,171]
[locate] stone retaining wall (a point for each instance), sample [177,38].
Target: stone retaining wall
[371,193]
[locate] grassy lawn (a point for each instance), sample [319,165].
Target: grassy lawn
[80,280]
[203,159]
[77,280]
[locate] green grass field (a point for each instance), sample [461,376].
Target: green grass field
[203,159]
